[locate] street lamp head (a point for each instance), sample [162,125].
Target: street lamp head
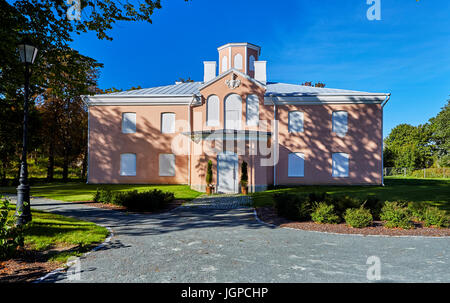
[27,52]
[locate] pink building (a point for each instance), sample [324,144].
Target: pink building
[287,133]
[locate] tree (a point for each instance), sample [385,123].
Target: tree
[440,134]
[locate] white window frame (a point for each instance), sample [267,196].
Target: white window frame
[252,121]
[336,171]
[251,63]
[290,126]
[170,169]
[299,160]
[127,169]
[165,129]
[338,125]
[224,64]
[233,103]
[209,121]
[128,123]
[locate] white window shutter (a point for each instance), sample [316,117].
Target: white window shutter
[224,64]
[252,110]
[238,61]
[168,123]
[340,120]
[213,106]
[251,63]
[167,165]
[295,121]
[128,164]
[340,165]
[296,165]
[128,123]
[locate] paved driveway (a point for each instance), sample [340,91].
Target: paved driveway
[219,240]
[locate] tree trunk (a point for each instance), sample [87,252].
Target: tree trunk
[84,167]
[51,161]
[65,173]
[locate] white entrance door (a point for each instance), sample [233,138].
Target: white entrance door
[227,172]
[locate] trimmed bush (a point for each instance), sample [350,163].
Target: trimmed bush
[396,215]
[135,201]
[358,217]
[435,217]
[292,207]
[374,204]
[324,213]
[342,203]
[417,210]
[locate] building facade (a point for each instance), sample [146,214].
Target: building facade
[288,134]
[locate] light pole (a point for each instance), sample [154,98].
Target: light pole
[23,213]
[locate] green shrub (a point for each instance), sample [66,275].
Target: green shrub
[374,204]
[417,210]
[144,201]
[102,195]
[342,203]
[396,215]
[324,213]
[10,236]
[435,217]
[292,207]
[358,217]
[319,197]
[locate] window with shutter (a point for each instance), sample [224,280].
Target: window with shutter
[128,164]
[340,165]
[128,123]
[212,112]
[252,110]
[167,165]
[168,123]
[295,121]
[296,165]
[340,119]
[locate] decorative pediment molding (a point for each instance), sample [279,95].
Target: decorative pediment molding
[232,84]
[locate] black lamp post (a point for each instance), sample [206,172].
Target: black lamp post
[23,213]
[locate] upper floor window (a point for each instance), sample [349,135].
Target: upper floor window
[128,164]
[168,123]
[340,120]
[340,165]
[128,123]
[296,165]
[233,111]
[295,122]
[252,110]
[224,64]
[212,111]
[251,63]
[238,61]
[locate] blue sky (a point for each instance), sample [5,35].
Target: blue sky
[406,53]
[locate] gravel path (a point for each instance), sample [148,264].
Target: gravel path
[218,240]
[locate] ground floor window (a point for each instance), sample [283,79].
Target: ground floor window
[296,165]
[340,165]
[166,165]
[128,164]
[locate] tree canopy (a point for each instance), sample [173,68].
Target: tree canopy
[420,146]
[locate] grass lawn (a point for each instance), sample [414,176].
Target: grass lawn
[434,191]
[64,236]
[84,192]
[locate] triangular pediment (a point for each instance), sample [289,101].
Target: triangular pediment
[230,84]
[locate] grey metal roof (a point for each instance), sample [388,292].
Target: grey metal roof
[285,89]
[272,88]
[182,89]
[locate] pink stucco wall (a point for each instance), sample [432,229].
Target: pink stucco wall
[363,143]
[107,142]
